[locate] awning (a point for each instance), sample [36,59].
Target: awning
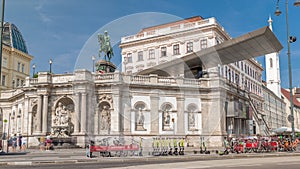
[257,43]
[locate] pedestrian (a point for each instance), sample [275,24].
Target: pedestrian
[14,142]
[48,143]
[42,143]
[24,143]
[20,142]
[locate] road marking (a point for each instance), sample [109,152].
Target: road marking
[20,163]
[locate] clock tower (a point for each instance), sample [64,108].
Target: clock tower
[273,69]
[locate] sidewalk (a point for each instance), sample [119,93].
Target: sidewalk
[65,156]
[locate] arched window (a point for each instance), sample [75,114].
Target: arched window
[271,62]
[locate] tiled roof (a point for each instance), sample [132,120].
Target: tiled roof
[287,95]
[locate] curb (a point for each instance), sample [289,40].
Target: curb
[148,159]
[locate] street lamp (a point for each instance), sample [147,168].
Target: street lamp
[50,64]
[33,70]
[290,39]
[93,59]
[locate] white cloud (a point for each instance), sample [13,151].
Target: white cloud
[39,9]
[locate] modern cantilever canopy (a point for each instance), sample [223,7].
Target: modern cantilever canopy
[257,43]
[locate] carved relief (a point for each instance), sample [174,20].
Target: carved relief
[33,101]
[61,117]
[62,125]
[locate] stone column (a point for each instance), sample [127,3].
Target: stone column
[45,114]
[96,121]
[39,115]
[180,115]
[154,113]
[83,113]
[25,121]
[77,113]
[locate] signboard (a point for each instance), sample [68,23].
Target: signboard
[290,118]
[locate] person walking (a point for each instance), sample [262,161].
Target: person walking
[24,143]
[14,143]
[20,142]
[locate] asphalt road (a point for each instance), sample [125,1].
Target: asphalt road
[289,162]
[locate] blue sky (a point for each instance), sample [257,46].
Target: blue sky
[62,29]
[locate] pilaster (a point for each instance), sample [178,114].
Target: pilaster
[180,115]
[83,113]
[45,114]
[154,101]
[77,113]
[39,115]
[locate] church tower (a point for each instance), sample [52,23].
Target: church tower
[273,69]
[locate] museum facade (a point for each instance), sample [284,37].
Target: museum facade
[196,100]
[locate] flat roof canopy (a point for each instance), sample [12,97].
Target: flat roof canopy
[257,43]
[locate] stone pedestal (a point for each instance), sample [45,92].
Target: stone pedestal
[140,127]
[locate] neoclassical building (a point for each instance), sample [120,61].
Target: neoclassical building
[15,58]
[211,91]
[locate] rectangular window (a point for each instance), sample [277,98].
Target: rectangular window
[18,82]
[22,82]
[176,49]
[4,62]
[189,47]
[163,51]
[3,80]
[203,43]
[129,58]
[242,66]
[19,66]
[23,66]
[151,54]
[140,56]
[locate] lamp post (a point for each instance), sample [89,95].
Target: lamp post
[290,39]
[93,59]
[8,137]
[50,64]
[1,32]
[33,70]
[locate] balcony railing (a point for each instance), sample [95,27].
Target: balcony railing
[109,78]
[172,29]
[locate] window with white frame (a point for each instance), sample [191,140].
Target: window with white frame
[203,43]
[4,62]
[129,58]
[189,47]
[163,52]
[176,49]
[19,66]
[23,67]
[140,56]
[151,54]
[3,80]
